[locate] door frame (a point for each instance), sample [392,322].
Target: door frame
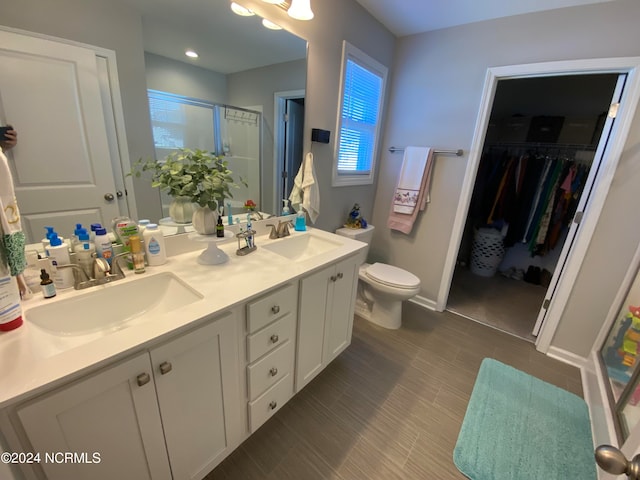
[280,108]
[619,133]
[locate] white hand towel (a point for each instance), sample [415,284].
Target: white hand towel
[310,189]
[296,192]
[407,193]
[12,257]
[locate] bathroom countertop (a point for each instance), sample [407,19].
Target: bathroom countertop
[33,360]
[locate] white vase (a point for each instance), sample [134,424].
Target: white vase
[205,220]
[181,209]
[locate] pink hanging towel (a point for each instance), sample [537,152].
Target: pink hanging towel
[411,194]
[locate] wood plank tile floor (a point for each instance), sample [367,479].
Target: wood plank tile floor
[390,406]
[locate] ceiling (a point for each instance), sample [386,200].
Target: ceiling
[228,43]
[407,17]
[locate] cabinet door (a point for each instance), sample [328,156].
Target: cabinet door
[197,380]
[340,305]
[113,414]
[311,325]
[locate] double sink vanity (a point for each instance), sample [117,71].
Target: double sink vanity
[162,375]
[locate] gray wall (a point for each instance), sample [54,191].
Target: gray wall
[180,78]
[435,98]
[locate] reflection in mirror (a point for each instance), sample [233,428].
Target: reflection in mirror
[244,74]
[179,122]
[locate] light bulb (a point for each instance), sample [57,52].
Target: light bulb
[300,10]
[240,10]
[191,53]
[270,25]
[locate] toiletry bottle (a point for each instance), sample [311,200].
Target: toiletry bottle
[47,285]
[92,231]
[75,238]
[47,237]
[32,272]
[85,250]
[301,221]
[285,206]
[10,308]
[137,255]
[58,253]
[154,245]
[104,249]
[219,228]
[229,215]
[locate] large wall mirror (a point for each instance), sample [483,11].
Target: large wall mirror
[248,80]
[245,82]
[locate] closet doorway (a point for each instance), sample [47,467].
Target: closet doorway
[539,160]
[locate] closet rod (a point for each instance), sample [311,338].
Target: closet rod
[458,152]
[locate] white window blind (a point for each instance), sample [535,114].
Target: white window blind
[362,94]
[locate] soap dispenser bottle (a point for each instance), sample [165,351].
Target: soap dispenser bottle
[285,207]
[301,221]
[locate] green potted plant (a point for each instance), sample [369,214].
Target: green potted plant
[191,177]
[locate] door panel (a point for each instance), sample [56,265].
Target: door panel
[50,93]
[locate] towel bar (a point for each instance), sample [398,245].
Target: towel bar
[458,152]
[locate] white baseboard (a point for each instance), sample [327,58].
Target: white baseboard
[424,302]
[567,357]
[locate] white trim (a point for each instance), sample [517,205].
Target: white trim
[601,186]
[279,108]
[567,357]
[424,302]
[358,56]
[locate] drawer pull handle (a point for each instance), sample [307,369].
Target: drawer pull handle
[273,372]
[273,405]
[274,338]
[165,367]
[143,379]
[340,275]
[275,309]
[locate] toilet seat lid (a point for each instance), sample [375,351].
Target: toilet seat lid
[392,276]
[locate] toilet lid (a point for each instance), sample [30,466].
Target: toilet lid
[392,276]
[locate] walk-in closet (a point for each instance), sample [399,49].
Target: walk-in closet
[539,149]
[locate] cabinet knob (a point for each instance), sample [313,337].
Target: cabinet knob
[165,367]
[333,278]
[274,338]
[143,379]
[273,372]
[340,275]
[273,405]
[275,309]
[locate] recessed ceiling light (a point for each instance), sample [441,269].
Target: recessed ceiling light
[191,53]
[270,25]
[240,10]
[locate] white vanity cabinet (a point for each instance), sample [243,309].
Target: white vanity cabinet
[327,300]
[270,345]
[171,412]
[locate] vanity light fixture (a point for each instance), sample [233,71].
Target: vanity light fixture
[240,10]
[298,9]
[270,25]
[191,54]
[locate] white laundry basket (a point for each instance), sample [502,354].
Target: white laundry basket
[487,252]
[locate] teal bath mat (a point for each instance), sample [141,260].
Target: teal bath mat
[519,427]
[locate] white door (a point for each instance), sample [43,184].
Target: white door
[582,204]
[50,92]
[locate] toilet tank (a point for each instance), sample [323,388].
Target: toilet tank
[362,234]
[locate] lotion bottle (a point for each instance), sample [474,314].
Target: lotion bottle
[104,249]
[154,245]
[58,253]
[85,249]
[10,308]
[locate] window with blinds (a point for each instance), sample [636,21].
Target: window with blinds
[362,94]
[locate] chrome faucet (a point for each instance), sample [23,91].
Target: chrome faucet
[280,231]
[102,272]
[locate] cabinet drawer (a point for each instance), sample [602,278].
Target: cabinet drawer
[268,370]
[271,307]
[270,337]
[261,409]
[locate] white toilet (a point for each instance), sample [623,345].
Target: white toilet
[382,288]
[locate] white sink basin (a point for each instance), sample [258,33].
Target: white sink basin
[113,306]
[301,247]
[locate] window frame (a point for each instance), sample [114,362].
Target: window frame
[352,53]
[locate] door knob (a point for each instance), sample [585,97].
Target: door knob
[612,460]
[119,194]
[109,197]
